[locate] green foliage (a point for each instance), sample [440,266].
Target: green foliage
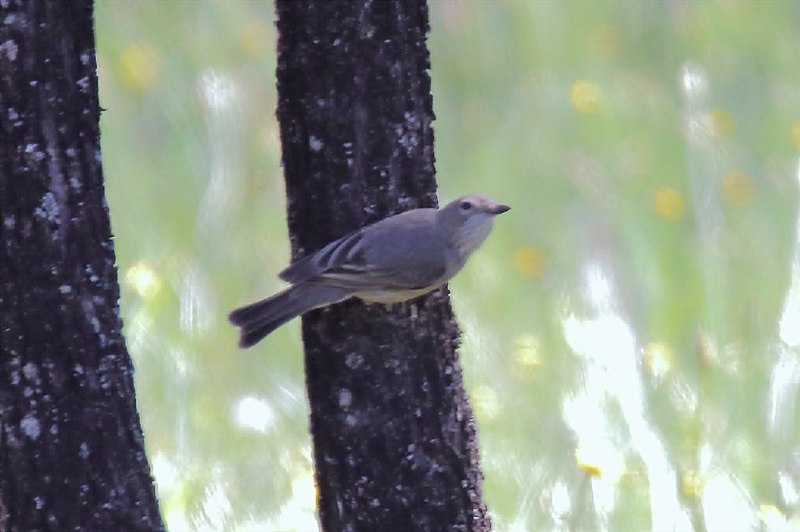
[631,327]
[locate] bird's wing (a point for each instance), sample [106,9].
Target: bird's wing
[410,256]
[345,251]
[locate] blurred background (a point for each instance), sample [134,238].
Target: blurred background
[631,328]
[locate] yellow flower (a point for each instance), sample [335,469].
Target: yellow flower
[139,65]
[722,122]
[256,39]
[600,458]
[144,280]
[657,359]
[529,262]
[692,484]
[737,188]
[669,203]
[585,96]
[796,135]
[592,469]
[527,351]
[606,42]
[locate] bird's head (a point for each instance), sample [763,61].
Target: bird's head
[468,221]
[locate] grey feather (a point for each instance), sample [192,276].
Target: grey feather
[261,318]
[392,260]
[334,254]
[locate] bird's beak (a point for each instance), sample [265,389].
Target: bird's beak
[500,209]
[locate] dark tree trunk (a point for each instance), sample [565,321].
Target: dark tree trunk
[394,438]
[71,448]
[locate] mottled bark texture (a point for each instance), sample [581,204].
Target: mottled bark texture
[71,447]
[395,443]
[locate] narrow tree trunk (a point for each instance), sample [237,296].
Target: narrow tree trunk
[71,448]
[394,437]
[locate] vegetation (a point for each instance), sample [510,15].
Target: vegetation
[631,329]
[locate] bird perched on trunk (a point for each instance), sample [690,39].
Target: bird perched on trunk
[393,260]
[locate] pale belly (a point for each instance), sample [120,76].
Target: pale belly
[393,296]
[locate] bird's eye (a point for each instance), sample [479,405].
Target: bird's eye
[465,205]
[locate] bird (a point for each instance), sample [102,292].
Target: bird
[393,260]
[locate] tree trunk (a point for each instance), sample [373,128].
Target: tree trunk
[71,447]
[394,438]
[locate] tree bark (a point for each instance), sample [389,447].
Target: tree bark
[71,447]
[394,437]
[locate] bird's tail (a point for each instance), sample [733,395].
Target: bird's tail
[259,319]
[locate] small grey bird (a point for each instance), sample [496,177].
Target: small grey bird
[393,260]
